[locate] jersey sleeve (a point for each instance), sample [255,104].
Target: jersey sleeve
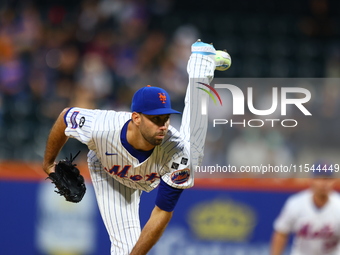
[285,221]
[79,123]
[180,175]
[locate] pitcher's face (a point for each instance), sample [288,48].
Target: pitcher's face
[154,128]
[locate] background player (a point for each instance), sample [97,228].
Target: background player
[313,216]
[135,152]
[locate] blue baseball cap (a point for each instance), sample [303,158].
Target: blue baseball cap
[152,101]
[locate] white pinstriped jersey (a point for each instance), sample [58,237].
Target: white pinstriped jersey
[174,160]
[100,130]
[317,230]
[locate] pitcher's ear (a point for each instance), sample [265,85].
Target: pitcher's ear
[136,118]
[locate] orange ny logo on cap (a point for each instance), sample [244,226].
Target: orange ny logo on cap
[162,97]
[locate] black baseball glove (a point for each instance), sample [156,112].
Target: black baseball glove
[68,180]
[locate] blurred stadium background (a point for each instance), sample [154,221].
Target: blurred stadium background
[55,54]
